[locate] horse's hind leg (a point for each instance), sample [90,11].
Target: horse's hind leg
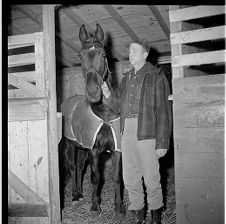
[118,182]
[95,179]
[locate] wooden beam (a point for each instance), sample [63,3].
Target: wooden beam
[198,35]
[23,190]
[195,12]
[79,21]
[160,20]
[177,72]
[121,22]
[27,210]
[199,58]
[50,65]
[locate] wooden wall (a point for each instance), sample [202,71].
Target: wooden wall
[198,112]
[33,178]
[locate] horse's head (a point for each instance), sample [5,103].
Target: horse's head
[94,62]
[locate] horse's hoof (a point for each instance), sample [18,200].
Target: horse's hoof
[95,208]
[120,210]
[78,197]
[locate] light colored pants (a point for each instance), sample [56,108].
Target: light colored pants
[139,160]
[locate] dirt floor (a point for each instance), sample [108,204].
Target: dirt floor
[79,212]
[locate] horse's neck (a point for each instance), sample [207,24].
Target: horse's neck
[103,112]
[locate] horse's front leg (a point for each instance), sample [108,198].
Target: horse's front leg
[95,179]
[118,182]
[75,158]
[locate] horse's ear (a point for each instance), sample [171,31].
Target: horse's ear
[83,35]
[99,33]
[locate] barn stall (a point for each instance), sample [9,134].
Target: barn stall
[121,24]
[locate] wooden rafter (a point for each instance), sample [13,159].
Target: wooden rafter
[79,21]
[121,22]
[160,20]
[35,18]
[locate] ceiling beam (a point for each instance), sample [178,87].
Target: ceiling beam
[35,18]
[79,21]
[160,20]
[121,22]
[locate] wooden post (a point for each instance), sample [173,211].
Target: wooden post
[50,68]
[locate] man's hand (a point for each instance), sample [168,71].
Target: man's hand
[161,152]
[106,91]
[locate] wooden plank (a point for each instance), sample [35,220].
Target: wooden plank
[17,94]
[195,12]
[199,200]
[185,37]
[26,110]
[49,47]
[59,126]
[18,154]
[199,58]
[31,89]
[38,158]
[203,164]
[21,40]
[20,60]
[199,114]
[211,87]
[176,49]
[27,76]
[21,188]
[27,210]
[199,139]
[39,64]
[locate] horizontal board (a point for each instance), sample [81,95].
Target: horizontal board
[185,37]
[21,59]
[199,58]
[27,110]
[199,139]
[199,200]
[195,12]
[23,40]
[27,76]
[210,87]
[199,114]
[27,210]
[199,164]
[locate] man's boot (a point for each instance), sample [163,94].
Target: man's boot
[138,216]
[156,216]
[148,219]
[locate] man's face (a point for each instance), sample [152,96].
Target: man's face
[137,54]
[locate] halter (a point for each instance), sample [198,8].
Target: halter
[106,69]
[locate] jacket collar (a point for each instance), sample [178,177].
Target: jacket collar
[147,68]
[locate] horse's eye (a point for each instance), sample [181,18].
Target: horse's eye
[104,55]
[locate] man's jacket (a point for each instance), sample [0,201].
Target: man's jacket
[154,116]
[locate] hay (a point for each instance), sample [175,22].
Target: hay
[79,212]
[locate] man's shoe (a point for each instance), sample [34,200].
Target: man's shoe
[149,218]
[156,216]
[138,216]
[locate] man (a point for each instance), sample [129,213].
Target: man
[145,115]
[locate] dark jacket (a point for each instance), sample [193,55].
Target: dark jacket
[154,117]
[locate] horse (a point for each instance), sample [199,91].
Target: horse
[90,127]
